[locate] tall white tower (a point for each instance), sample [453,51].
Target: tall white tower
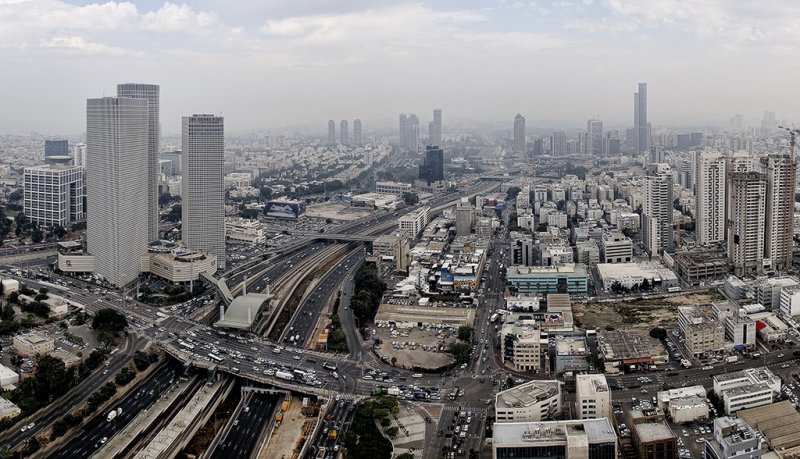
[657,209]
[711,202]
[202,187]
[117,190]
[151,93]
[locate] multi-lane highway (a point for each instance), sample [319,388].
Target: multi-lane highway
[245,429]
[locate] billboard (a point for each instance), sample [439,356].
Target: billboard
[284,209]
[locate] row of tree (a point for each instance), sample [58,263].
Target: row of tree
[369,290]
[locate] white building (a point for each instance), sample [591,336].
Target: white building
[117,191]
[684,404]
[747,388]
[529,402]
[615,248]
[592,397]
[521,346]
[657,209]
[53,195]
[710,181]
[203,193]
[574,439]
[464,217]
[414,222]
[149,92]
[244,230]
[8,376]
[33,344]
[779,221]
[557,219]
[394,188]
[790,302]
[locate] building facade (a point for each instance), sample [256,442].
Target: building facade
[779,221]
[574,439]
[435,128]
[331,132]
[357,132]
[203,189]
[710,179]
[746,212]
[519,134]
[657,209]
[53,196]
[592,397]
[530,402]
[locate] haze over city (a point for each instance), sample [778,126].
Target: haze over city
[270,65]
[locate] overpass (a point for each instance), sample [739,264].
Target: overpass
[341,237]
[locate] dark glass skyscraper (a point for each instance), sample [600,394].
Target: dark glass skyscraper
[432,168]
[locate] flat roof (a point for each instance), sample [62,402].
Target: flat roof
[425,314]
[779,422]
[567,268]
[653,431]
[629,345]
[591,384]
[526,394]
[515,433]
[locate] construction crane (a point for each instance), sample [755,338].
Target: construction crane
[790,202]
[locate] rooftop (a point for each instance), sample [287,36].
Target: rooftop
[779,422]
[629,345]
[243,311]
[590,384]
[514,433]
[567,268]
[653,431]
[527,394]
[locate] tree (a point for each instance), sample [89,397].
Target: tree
[410,198]
[8,312]
[465,332]
[658,333]
[37,236]
[59,231]
[110,320]
[249,214]
[392,431]
[394,361]
[512,192]
[509,383]
[460,351]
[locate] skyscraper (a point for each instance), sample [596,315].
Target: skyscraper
[345,136]
[79,154]
[202,187]
[435,128]
[331,132]
[519,134]
[117,220]
[558,143]
[432,168]
[641,130]
[746,208]
[55,148]
[657,209]
[357,132]
[779,221]
[710,181]
[409,132]
[594,140]
[151,93]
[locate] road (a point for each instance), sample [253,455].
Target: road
[90,440]
[246,428]
[338,417]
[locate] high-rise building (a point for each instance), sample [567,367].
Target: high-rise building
[357,132]
[558,143]
[151,93]
[331,132]
[519,134]
[79,154]
[117,213]
[464,214]
[344,134]
[641,129]
[409,132]
[594,138]
[747,196]
[53,194]
[657,209]
[58,149]
[710,181]
[779,221]
[432,168]
[435,128]
[203,189]
[613,145]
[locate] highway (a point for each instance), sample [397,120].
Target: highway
[98,430]
[338,417]
[245,429]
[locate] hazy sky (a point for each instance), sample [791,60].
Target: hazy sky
[272,63]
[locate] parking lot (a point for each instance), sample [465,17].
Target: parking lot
[414,347]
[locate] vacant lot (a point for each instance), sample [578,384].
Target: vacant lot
[642,313]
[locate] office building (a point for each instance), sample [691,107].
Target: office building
[568,278]
[533,401]
[657,209]
[344,133]
[331,132]
[56,150]
[768,290]
[174,157]
[244,230]
[202,188]
[594,138]
[53,195]
[558,143]
[395,246]
[435,129]
[414,222]
[149,92]
[357,132]
[710,181]
[733,439]
[746,389]
[702,334]
[409,132]
[779,221]
[432,168]
[79,155]
[33,344]
[592,397]
[521,346]
[394,188]
[615,248]
[519,134]
[746,212]
[790,302]
[464,214]
[652,437]
[117,213]
[574,439]
[641,128]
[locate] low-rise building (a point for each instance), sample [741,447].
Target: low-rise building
[33,344]
[525,303]
[414,222]
[790,302]
[176,264]
[530,402]
[622,348]
[688,409]
[768,290]
[631,275]
[652,437]
[741,331]
[702,335]
[8,409]
[576,439]
[733,439]
[746,389]
[592,397]
[615,248]
[8,376]
[571,351]
[394,188]
[779,423]
[569,278]
[244,230]
[394,246]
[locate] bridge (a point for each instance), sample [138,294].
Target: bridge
[341,237]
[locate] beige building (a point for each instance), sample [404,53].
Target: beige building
[395,246]
[33,344]
[8,409]
[530,402]
[521,346]
[702,334]
[592,397]
[243,230]
[574,439]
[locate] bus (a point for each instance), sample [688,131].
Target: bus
[330,366]
[673,289]
[453,394]
[494,317]
[215,358]
[185,344]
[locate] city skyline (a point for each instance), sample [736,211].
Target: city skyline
[365,49]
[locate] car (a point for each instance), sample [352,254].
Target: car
[103,440]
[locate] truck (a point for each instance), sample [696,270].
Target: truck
[732,358]
[284,375]
[332,434]
[321,452]
[394,390]
[113,414]
[335,375]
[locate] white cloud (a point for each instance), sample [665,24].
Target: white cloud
[79,44]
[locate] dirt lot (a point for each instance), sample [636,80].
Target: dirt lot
[643,313]
[407,357]
[286,436]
